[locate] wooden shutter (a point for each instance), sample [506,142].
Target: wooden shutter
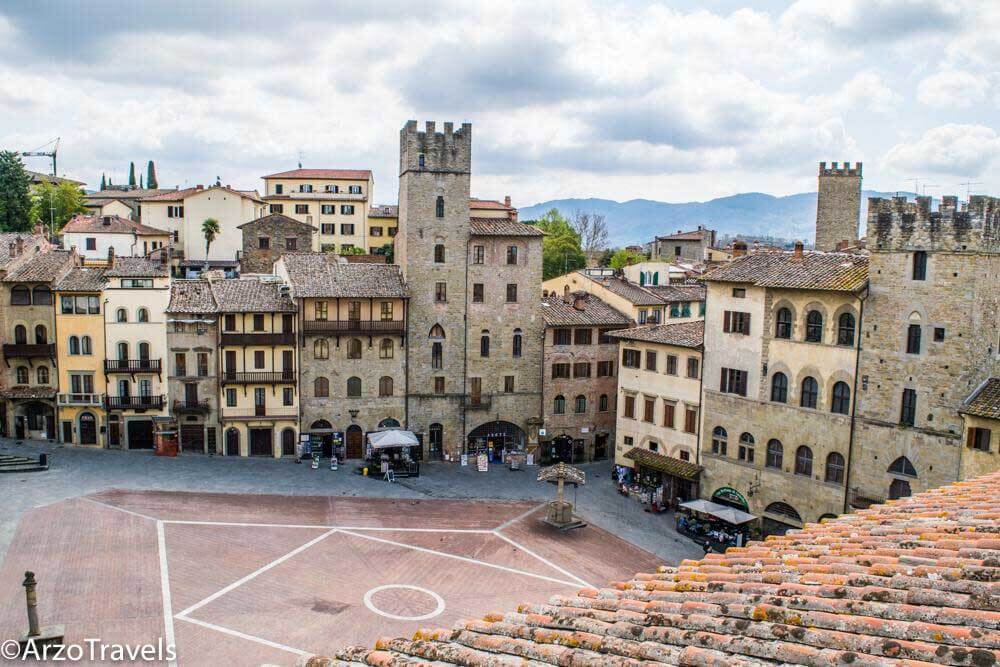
[970,439]
[726,319]
[668,415]
[746,323]
[722,382]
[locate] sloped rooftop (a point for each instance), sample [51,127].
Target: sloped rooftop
[318,274]
[592,311]
[836,271]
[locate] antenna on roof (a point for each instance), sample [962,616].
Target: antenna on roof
[968,187]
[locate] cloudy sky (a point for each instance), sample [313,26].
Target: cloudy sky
[672,101]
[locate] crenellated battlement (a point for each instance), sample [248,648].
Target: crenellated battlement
[449,151]
[900,224]
[836,170]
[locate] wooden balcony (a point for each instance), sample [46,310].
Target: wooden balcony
[135,402]
[258,377]
[184,405]
[80,399]
[258,339]
[354,326]
[132,366]
[261,412]
[29,351]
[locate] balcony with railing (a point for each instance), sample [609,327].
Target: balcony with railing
[195,405]
[481,402]
[132,366]
[261,412]
[135,402]
[29,351]
[354,326]
[92,400]
[258,339]
[258,377]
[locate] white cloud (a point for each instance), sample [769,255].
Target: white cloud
[953,149]
[952,89]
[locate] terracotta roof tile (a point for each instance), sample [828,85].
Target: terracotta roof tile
[44,267]
[693,235]
[639,296]
[342,174]
[94,224]
[180,195]
[595,312]
[280,218]
[6,238]
[28,391]
[138,267]
[83,279]
[488,204]
[834,271]
[384,211]
[683,334]
[985,400]
[191,296]
[848,591]
[251,295]
[501,227]
[672,293]
[323,274]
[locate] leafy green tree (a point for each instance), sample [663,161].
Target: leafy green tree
[605,259]
[623,258]
[15,202]
[131,174]
[352,250]
[389,251]
[561,251]
[151,175]
[210,228]
[54,204]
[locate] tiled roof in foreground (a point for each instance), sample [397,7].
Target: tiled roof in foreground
[912,582]
[326,275]
[684,334]
[835,271]
[501,227]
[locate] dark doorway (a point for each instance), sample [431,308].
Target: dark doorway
[561,449]
[67,432]
[50,427]
[288,442]
[436,444]
[140,434]
[355,437]
[261,442]
[20,426]
[899,488]
[88,429]
[600,446]
[232,442]
[114,434]
[193,438]
[211,440]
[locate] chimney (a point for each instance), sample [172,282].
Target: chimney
[199,187]
[506,201]
[12,249]
[579,301]
[20,246]
[797,253]
[111,256]
[567,297]
[739,248]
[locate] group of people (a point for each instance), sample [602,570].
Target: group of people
[712,534]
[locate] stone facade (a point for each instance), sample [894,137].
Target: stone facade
[266,239]
[838,205]
[935,274]
[692,245]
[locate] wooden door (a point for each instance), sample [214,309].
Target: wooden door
[88,429]
[288,442]
[355,448]
[261,442]
[114,434]
[232,442]
[475,390]
[230,367]
[259,402]
[287,365]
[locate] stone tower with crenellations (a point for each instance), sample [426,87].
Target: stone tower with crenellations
[838,205]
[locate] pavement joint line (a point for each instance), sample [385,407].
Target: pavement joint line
[519,517]
[261,570]
[243,635]
[191,522]
[465,559]
[119,509]
[544,560]
[168,614]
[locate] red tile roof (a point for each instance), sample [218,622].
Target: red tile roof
[984,401]
[489,204]
[912,582]
[180,195]
[342,174]
[835,271]
[94,224]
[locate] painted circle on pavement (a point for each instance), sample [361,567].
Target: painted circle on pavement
[438,600]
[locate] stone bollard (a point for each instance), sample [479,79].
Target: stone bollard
[32,599]
[36,635]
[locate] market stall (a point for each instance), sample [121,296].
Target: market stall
[714,526]
[390,451]
[657,480]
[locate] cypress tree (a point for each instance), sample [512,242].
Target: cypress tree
[151,175]
[131,174]
[104,184]
[140,182]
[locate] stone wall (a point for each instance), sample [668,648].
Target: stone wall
[198,335]
[838,205]
[897,224]
[277,228]
[976,462]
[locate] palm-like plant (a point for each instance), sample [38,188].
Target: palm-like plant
[210,228]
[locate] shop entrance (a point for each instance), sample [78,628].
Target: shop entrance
[495,438]
[261,442]
[355,442]
[88,429]
[140,434]
[193,437]
[232,442]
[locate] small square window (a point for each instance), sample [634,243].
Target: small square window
[739,293]
[938,334]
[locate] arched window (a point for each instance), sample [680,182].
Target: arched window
[719,441]
[845,329]
[899,488]
[580,404]
[20,296]
[783,324]
[385,348]
[559,405]
[74,345]
[123,350]
[810,392]
[439,253]
[41,335]
[902,466]
[439,207]
[42,375]
[779,388]
[602,403]
[144,351]
[41,296]
[437,355]
[518,341]
[22,375]
[484,344]
[841,402]
[321,348]
[142,315]
[913,338]
[385,386]
[437,331]
[804,461]
[354,348]
[321,387]
[20,335]
[783,509]
[354,387]
[747,443]
[775,454]
[85,346]
[121,315]
[835,468]
[389,422]
[814,327]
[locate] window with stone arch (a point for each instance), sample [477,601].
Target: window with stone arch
[74,345]
[845,329]
[779,388]
[121,315]
[720,441]
[484,343]
[902,466]
[354,348]
[321,349]
[42,375]
[142,315]
[580,404]
[602,403]
[385,386]
[386,348]
[41,334]
[354,387]
[810,393]
[21,335]
[437,355]
[834,468]
[559,405]
[783,324]
[439,207]
[437,331]
[517,344]
[22,374]
[439,253]
[814,327]
[746,449]
[775,454]
[321,387]
[841,401]
[86,347]
[804,461]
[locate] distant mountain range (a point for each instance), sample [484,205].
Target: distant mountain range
[753,213]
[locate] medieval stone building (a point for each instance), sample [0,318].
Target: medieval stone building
[266,239]
[838,206]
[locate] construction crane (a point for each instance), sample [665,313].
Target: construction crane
[38,152]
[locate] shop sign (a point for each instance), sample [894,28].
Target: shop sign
[541,431]
[730,494]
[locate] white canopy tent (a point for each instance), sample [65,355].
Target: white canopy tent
[392,438]
[725,512]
